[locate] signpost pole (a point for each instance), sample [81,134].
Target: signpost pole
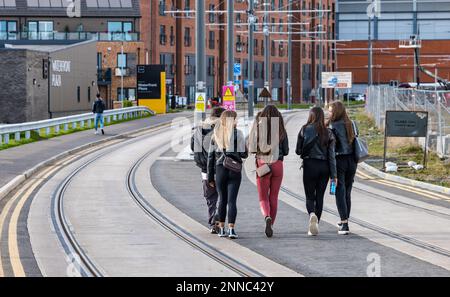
[200,72]
[385,144]
[266,48]
[230,39]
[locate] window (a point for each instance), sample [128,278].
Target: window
[162,35]
[212,16]
[40,30]
[120,30]
[212,40]
[239,44]
[8,30]
[211,67]
[78,94]
[162,7]
[89,94]
[121,60]
[172,36]
[128,94]
[272,48]
[187,37]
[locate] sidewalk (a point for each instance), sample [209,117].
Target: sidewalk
[15,161]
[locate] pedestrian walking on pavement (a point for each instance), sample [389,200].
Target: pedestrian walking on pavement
[98,109]
[200,142]
[345,132]
[316,145]
[227,149]
[269,142]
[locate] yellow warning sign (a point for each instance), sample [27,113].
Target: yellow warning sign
[228,93]
[200,102]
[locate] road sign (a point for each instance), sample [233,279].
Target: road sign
[240,98]
[237,69]
[406,123]
[229,99]
[200,102]
[265,94]
[338,80]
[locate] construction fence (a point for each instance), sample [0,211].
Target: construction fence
[437,103]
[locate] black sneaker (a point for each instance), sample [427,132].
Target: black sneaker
[103,132]
[344,230]
[222,232]
[213,230]
[339,225]
[232,234]
[269,230]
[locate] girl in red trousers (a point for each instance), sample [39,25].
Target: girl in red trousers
[269,142]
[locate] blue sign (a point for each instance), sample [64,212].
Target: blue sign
[245,84]
[333,81]
[237,69]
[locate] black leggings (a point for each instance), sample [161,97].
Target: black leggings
[346,170]
[316,174]
[227,183]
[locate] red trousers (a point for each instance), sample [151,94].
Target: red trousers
[268,189]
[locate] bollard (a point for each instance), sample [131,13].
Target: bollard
[6,138]
[81,124]
[17,136]
[74,125]
[47,131]
[57,129]
[27,134]
[115,117]
[66,127]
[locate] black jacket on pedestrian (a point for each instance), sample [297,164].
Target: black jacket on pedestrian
[309,147]
[99,106]
[343,147]
[217,156]
[284,148]
[200,142]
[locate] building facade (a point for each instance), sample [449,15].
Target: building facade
[392,24]
[169,39]
[113,24]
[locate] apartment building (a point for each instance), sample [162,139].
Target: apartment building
[114,25]
[169,39]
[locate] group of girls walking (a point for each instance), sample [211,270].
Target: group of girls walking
[326,147]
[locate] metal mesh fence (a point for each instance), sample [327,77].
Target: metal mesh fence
[437,103]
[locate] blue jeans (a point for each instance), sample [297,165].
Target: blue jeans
[98,118]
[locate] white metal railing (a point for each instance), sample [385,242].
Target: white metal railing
[74,121]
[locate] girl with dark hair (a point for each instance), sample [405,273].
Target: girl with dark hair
[345,132]
[315,145]
[269,142]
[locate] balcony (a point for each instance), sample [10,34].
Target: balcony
[99,36]
[104,76]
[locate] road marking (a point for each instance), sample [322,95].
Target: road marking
[410,189]
[6,210]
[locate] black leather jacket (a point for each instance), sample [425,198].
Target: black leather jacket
[343,147]
[217,156]
[284,148]
[306,137]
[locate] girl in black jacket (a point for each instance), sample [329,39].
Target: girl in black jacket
[316,146]
[227,146]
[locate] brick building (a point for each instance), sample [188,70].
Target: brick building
[112,26]
[394,23]
[170,39]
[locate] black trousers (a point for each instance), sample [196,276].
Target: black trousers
[346,170]
[227,183]
[316,174]
[211,197]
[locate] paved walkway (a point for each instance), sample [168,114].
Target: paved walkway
[17,160]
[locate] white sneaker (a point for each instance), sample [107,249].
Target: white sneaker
[313,229]
[96,132]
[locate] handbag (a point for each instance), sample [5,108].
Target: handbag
[231,164]
[360,149]
[262,170]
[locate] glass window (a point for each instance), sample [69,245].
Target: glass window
[121,60]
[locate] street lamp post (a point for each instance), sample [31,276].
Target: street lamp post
[251,47]
[121,74]
[266,48]
[289,78]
